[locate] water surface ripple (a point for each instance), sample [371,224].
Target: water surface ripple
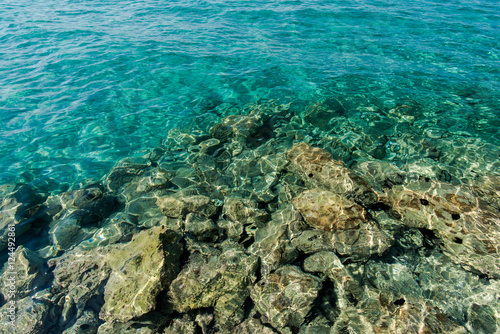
[83,84]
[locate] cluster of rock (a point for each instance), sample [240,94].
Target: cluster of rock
[254,227]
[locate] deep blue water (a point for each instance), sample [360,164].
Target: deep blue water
[86,83]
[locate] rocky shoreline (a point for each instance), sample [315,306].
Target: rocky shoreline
[268,223]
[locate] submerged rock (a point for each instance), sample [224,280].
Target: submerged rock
[323,262]
[76,215]
[273,242]
[9,223]
[285,297]
[356,244]
[19,211]
[316,167]
[393,302]
[79,278]
[360,244]
[144,208]
[482,319]
[192,214]
[140,270]
[244,213]
[237,126]
[470,232]
[327,211]
[371,316]
[131,276]
[232,229]
[125,172]
[87,323]
[215,277]
[254,173]
[192,323]
[120,227]
[381,298]
[455,291]
[148,324]
[312,241]
[251,326]
[27,271]
[172,206]
[243,198]
[348,289]
[243,210]
[184,325]
[487,188]
[179,206]
[382,174]
[201,227]
[30,316]
[88,206]
[320,113]
[346,224]
[67,233]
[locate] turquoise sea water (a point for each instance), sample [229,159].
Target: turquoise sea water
[86,83]
[250,166]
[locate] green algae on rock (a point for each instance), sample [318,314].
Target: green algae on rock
[121,270]
[139,271]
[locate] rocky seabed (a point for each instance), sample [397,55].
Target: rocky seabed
[269,222]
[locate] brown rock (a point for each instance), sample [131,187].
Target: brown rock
[469,230]
[327,211]
[345,226]
[317,168]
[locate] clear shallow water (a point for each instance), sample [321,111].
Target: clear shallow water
[83,84]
